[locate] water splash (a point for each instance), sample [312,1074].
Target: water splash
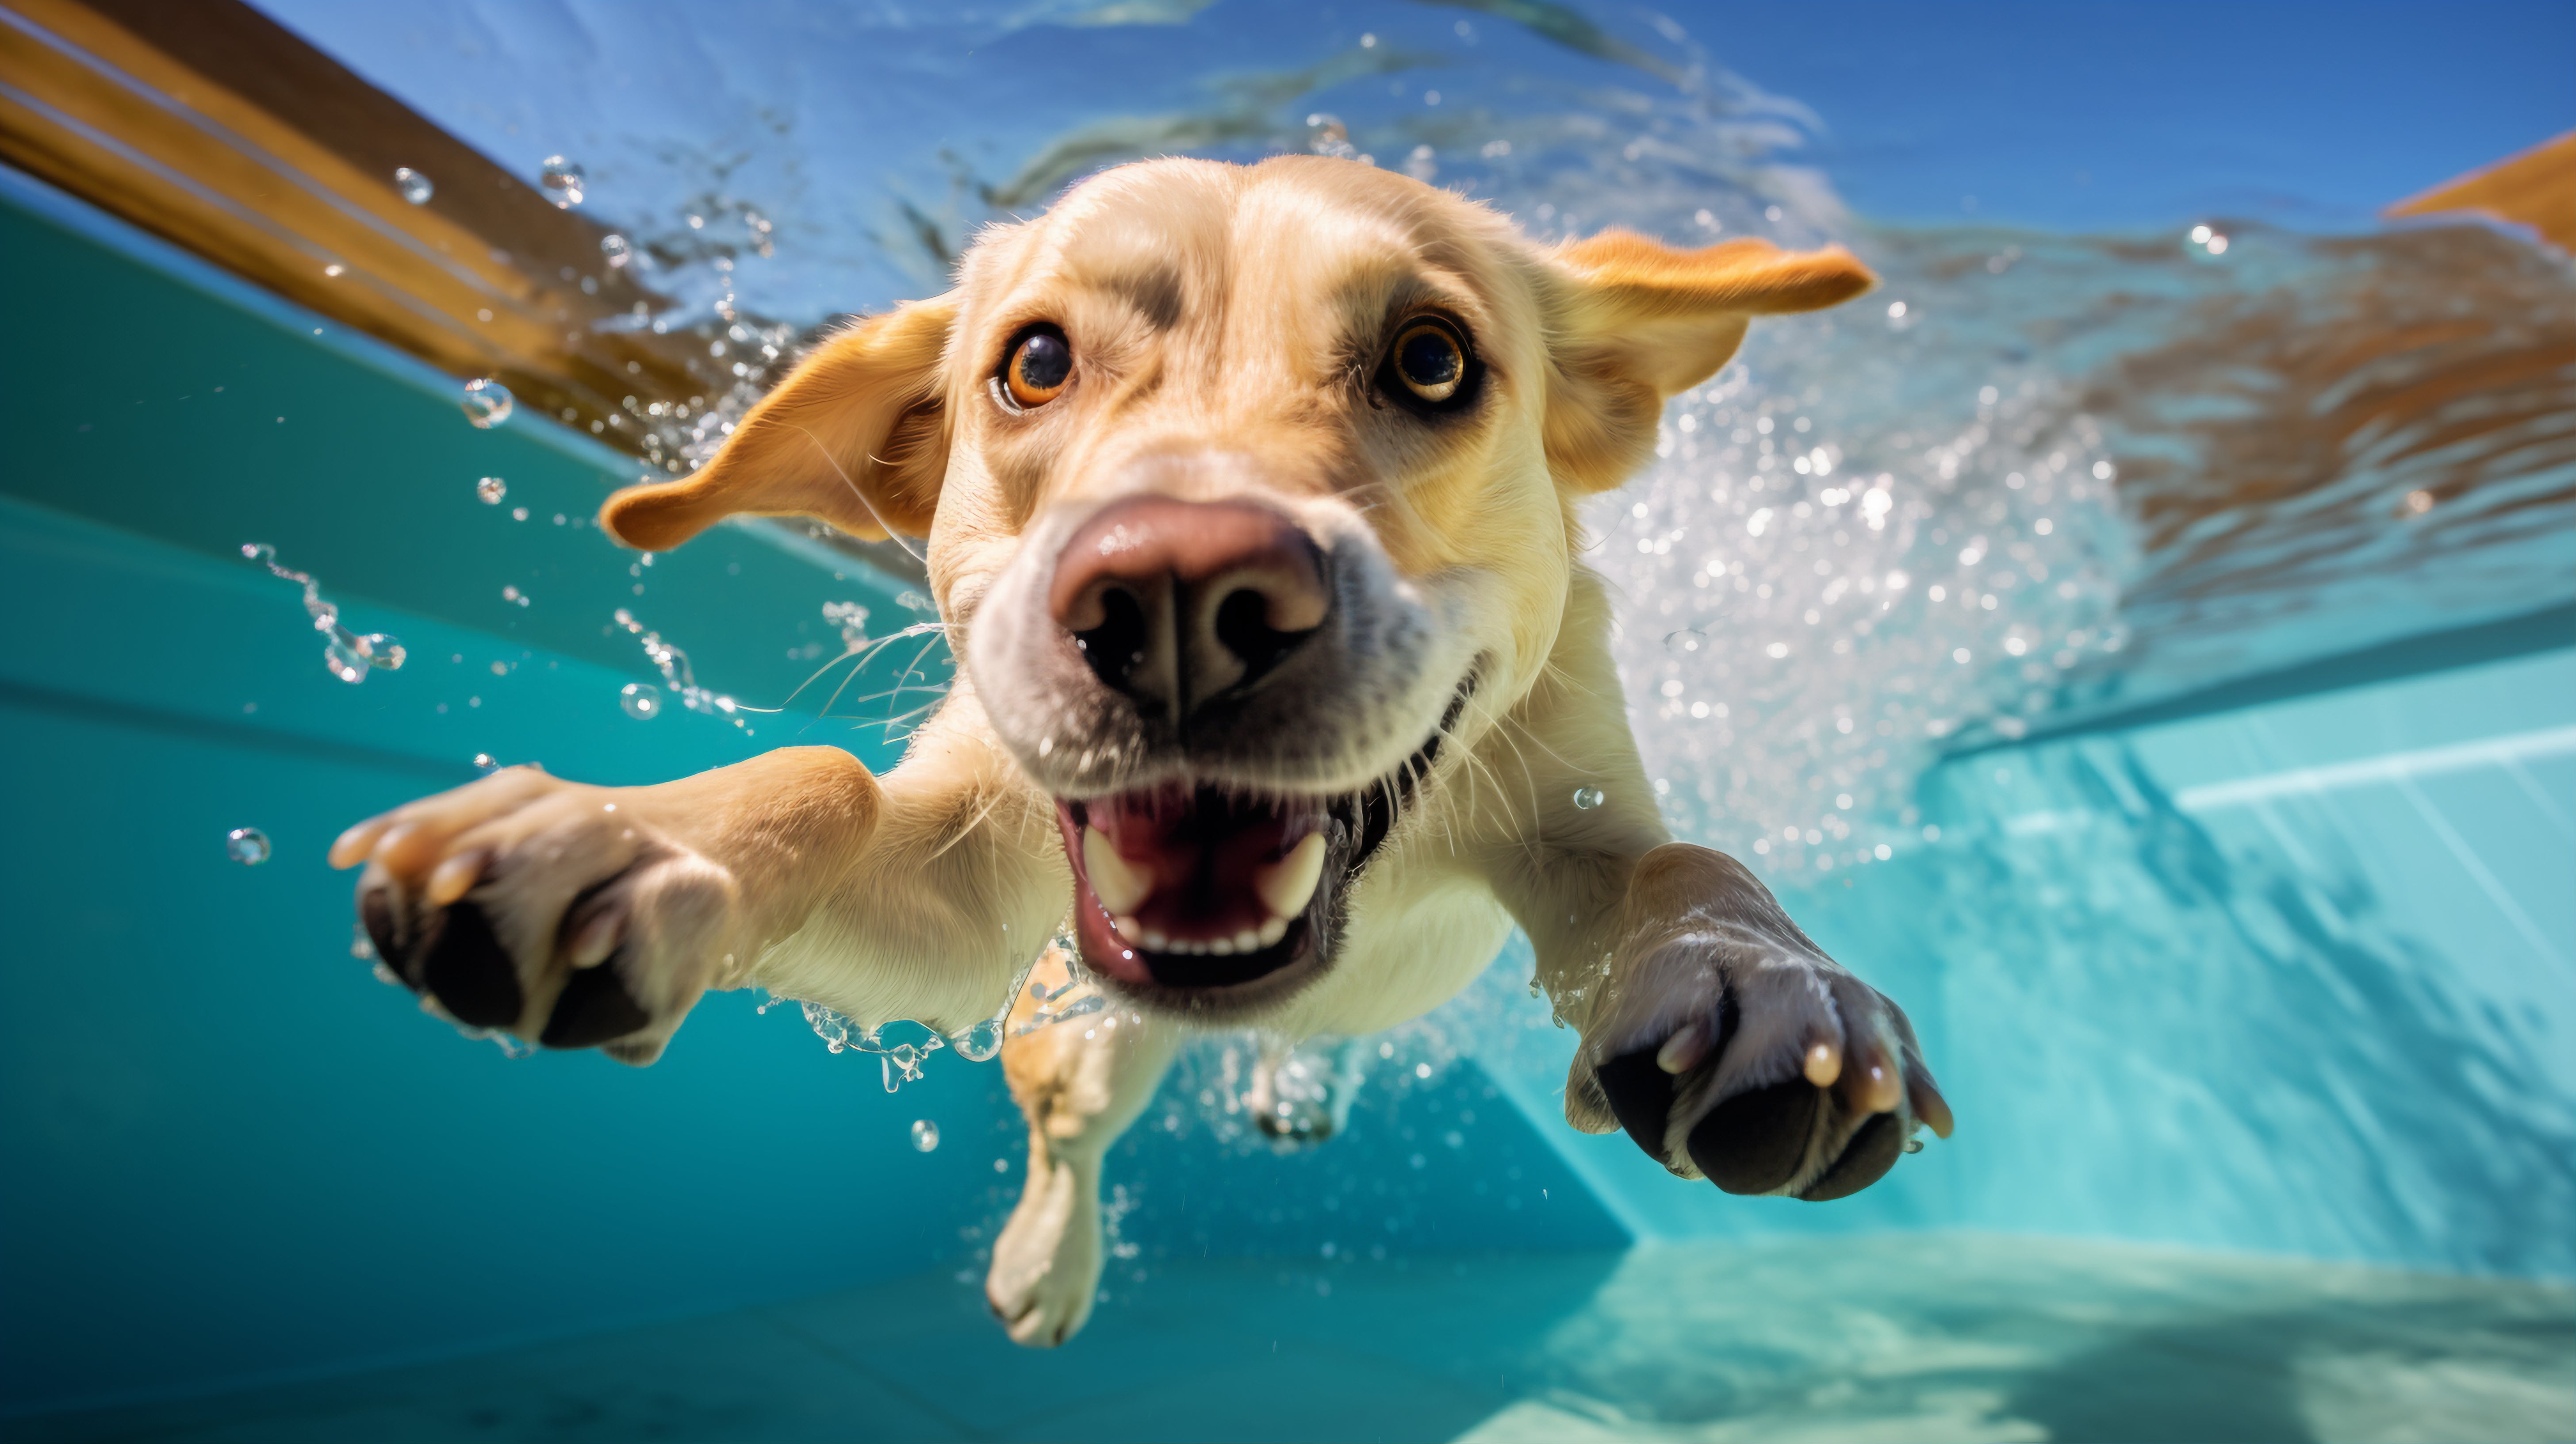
[412,186]
[247,846]
[348,656]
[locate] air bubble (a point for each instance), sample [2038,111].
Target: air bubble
[487,403]
[614,249]
[1687,640]
[247,846]
[491,489]
[414,186]
[925,1135]
[486,763]
[1589,798]
[561,180]
[641,702]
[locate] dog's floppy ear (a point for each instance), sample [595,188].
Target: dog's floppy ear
[854,436]
[1636,322]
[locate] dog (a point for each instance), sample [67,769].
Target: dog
[1250,495]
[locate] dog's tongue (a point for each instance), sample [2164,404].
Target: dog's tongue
[1195,872]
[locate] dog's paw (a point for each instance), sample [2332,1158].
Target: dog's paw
[1046,1264]
[1731,1048]
[546,909]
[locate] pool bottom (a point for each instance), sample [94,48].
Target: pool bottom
[1918,1337]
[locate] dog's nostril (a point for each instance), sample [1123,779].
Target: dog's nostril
[1116,647]
[1243,628]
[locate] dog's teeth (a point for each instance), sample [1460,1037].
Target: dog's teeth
[1286,886]
[1222,947]
[1154,942]
[1127,928]
[1247,940]
[1119,887]
[1273,930]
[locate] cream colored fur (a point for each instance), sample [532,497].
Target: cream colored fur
[1210,302]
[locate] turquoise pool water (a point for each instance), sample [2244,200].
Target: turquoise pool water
[2222,860]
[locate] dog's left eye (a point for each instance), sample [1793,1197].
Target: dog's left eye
[1429,360]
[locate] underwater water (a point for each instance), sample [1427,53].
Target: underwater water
[2140,637]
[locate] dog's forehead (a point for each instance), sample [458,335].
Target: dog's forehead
[1168,236]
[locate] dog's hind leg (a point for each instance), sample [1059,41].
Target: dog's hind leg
[1080,1082]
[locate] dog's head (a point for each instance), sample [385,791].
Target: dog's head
[1250,498]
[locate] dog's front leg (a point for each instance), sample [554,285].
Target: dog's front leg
[1080,1082]
[1714,1030]
[580,916]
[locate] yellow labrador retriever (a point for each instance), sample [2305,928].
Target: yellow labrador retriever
[1251,503]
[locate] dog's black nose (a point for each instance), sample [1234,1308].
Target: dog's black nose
[1179,603]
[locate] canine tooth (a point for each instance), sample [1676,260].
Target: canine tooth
[1286,886]
[1117,885]
[1127,928]
[1222,947]
[1273,930]
[1247,940]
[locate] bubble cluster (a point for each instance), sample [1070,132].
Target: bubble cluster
[348,655]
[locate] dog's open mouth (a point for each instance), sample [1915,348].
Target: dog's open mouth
[1198,887]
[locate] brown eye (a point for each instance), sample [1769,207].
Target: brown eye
[1429,359]
[1041,363]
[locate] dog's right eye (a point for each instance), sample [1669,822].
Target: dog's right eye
[1040,365]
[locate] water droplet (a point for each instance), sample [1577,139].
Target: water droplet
[487,403]
[491,489]
[561,180]
[1688,639]
[1589,798]
[247,846]
[614,249]
[414,186]
[978,1044]
[360,944]
[641,702]
[485,762]
[925,1134]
